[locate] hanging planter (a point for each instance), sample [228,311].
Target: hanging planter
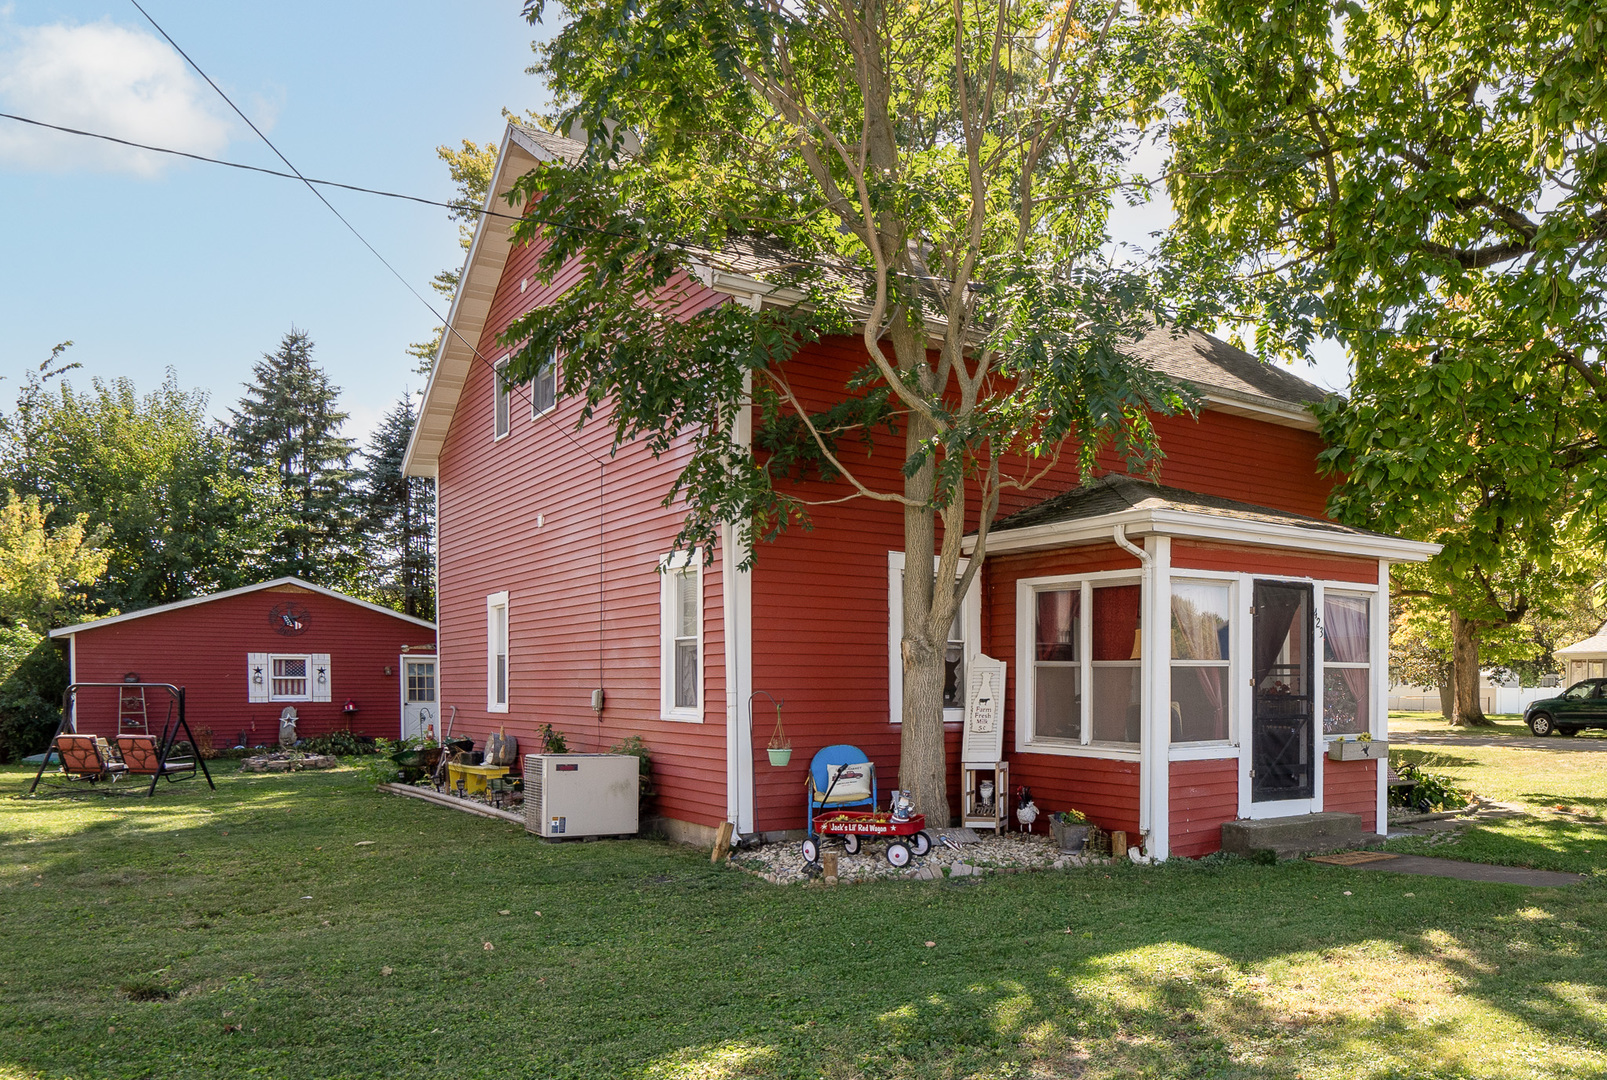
[780,747]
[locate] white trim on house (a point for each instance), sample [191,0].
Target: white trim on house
[671,567]
[501,402]
[1380,716]
[970,623]
[498,601]
[112,620]
[736,597]
[1190,525]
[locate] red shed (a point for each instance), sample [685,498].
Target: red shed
[243,656]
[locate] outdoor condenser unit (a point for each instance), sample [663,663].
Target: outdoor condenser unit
[571,796]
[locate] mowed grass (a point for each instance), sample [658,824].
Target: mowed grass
[307,926]
[1432,723]
[1564,792]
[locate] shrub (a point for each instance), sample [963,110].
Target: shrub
[1429,792]
[339,744]
[32,679]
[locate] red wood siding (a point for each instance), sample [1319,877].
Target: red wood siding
[535,514]
[1203,794]
[1351,787]
[1252,559]
[204,649]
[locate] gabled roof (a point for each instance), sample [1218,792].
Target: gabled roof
[96,624]
[1230,379]
[1595,645]
[1094,510]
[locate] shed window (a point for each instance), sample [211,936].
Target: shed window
[290,679]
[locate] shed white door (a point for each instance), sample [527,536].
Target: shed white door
[419,716]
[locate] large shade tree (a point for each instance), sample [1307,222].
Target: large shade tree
[1426,183]
[934,177]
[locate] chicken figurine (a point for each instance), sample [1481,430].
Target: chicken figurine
[1026,809]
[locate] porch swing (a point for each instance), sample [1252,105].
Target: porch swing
[142,754]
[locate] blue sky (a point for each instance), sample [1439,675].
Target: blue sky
[147,263]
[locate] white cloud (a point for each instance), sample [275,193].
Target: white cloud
[104,78]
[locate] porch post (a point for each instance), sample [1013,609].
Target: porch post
[736,590]
[1155,772]
[1379,727]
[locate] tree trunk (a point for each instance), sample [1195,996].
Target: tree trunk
[1468,710]
[922,768]
[1447,697]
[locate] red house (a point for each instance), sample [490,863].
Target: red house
[1177,656]
[245,655]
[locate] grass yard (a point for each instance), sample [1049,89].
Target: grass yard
[308,927]
[1432,723]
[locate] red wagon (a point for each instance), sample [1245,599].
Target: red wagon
[905,837]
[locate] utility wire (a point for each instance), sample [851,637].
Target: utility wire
[312,187]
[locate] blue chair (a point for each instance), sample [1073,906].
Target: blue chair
[816,796]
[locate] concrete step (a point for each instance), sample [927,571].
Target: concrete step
[1294,837]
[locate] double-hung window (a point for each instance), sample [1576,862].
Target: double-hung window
[291,680]
[1202,647]
[681,631]
[1087,664]
[499,400]
[1347,671]
[963,642]
[544,389]
[496,638]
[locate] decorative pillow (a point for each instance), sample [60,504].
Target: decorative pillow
[850,781]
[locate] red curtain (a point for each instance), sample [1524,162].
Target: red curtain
[1116,622]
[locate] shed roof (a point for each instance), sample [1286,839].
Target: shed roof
[96,624]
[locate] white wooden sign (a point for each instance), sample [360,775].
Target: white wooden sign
[982,742]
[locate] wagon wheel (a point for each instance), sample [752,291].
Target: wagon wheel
[920,843]
[898,853]
[851,844]
[811,850]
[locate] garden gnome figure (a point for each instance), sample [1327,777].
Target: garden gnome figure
[287,727]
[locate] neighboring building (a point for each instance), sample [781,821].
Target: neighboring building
[1165,667]
[1585,659]
[245,655]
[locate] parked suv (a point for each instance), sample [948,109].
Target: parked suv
[1582,705]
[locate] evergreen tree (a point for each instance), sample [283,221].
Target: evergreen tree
[287,427]
[399,519]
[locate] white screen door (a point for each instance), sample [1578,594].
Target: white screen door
[418,697]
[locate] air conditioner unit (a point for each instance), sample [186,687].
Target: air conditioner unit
[572,796]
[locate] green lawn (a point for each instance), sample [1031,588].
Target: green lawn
[308,927]
[1432,723]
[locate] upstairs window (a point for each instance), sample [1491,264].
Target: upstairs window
[499,401]
[544,389]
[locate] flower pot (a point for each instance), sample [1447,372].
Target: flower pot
[780,757]
[1069,838]
[1356,750]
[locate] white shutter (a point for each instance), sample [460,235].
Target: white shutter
[257,676]
[322,678]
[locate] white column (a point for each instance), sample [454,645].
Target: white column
[1155,751]
[736,590]
[1378,685]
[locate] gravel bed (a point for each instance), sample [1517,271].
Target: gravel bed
[783,864]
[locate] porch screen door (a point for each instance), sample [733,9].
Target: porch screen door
[1282,722]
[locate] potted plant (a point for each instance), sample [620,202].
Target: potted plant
[779,747]
[1070,829]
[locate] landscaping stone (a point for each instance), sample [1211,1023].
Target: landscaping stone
[288,761]
[782,863]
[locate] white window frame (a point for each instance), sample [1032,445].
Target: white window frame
[1323,664]
[501,403]
[549,370]
[1230,686]
[1027,590]
[970,625]
[273,661]
[671,566]
[493,603]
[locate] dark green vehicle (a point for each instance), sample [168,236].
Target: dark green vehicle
[1582,705]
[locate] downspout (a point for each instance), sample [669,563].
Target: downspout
[1149,748]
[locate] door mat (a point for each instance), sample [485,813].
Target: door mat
[1351,858]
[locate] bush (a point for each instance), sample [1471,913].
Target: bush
[339,744]
[1429,793]
[33,677]
[634,746]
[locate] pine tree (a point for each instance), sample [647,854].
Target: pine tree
[399,519]
[287,426]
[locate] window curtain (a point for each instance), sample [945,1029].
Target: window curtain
[1116,623]
[1275,610]
[1057,624]
[1201,639]
[1347,635]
